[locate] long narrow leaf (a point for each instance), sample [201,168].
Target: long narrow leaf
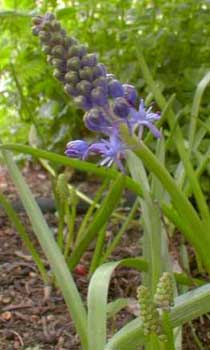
[100,219]
[50,248]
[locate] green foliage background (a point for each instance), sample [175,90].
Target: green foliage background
[173,35]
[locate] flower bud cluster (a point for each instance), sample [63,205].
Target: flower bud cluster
[106,101]
[148,311]
[84,78]
[164,296]
[152,308]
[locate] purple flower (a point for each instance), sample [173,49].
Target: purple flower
[142,118]
[112,150]
[97,120]
[130,93]
[76,149]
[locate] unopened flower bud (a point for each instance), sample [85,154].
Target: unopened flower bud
[99,96]
[71,90]
[84,87]
[58,74]
[46,49]
[86,73]
[73,63]
[72,77]
[83,102]
[99,71]
[148,311]
[89,60]
[58,51]
[102,82]
[76,149]
[96,120]
[44,36]
[121,108]
[115,88]
[130,94]
[76,50]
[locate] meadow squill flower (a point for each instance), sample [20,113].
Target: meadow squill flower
[76,149]
[111,150]
[106,101]
[142,118]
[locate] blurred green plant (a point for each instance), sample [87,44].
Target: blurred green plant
[176,48]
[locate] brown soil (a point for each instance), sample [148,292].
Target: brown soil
[32,318]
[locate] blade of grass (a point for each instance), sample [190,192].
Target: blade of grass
[120,233]
[15,221]
[51,250]
[179,141]
[100,218]
[181,203]
[74,163]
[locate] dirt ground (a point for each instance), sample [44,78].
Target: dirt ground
[33,317]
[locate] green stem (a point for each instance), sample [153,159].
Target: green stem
[50,248]
[178,139]
[98,250]
[70,223]
[168,331]
[181,203]
[119,235]
[24,236]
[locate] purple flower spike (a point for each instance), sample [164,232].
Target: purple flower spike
[112,150]
[95,120]
[144,117]
[76,149]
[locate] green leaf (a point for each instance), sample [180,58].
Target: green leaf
[99,219]
[51,250]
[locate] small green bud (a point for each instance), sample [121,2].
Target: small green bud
[148,312]
[62,187]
